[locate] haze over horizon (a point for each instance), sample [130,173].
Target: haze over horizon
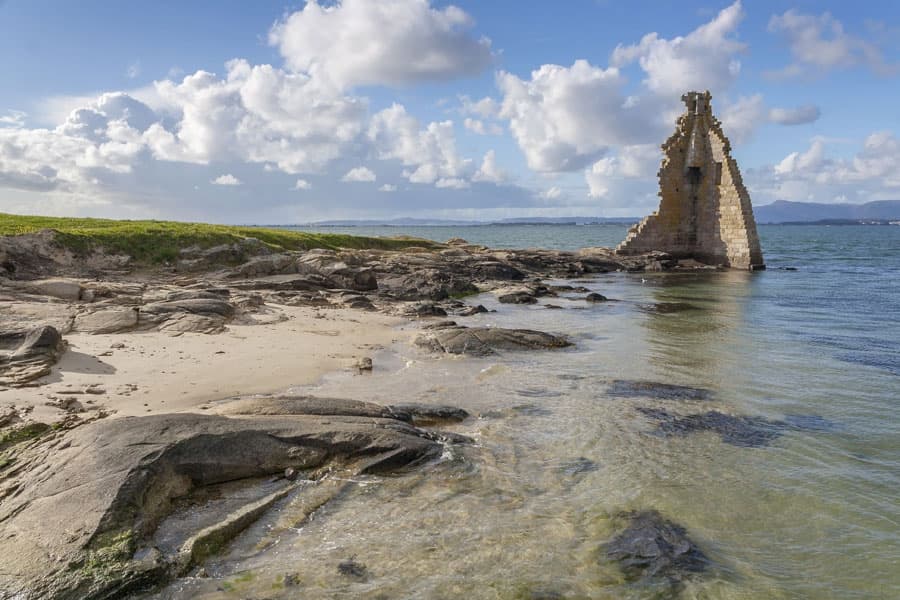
[260,112]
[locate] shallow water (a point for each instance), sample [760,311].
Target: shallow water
[563,445]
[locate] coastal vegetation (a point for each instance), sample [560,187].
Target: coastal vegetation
[157,242]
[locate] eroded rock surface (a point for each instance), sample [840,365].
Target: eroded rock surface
[28,355]
[79,509]
[484,341]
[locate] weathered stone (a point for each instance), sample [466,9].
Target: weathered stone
[107,321]
[112,482]
[517,298]
[484,341]
[32,354]
[595,297]
[65,289]
[428,414]
[705,211]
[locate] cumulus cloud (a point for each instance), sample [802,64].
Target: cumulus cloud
[703,59]
[820,43]
[800,115]
[256,114]
[389,42]
[566,117]
[302,184]
[478,126]
[812,174]
[359,174]
[740,119]
[632,162]
[489,171]
[486,108]
[388,187]
[430,153]
[226,179]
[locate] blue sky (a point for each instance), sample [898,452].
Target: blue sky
[290,112]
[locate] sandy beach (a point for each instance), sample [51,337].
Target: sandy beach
[148,372]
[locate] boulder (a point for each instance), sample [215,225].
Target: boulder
[484,341]
[32,354]
[517,298]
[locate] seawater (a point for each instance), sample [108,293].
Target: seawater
[526,511]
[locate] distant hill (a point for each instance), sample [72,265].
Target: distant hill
[411,222]
[782,211]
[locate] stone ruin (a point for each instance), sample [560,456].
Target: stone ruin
[704,210]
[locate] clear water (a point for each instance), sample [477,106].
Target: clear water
[815,514]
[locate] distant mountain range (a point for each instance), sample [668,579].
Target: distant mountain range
[782,211]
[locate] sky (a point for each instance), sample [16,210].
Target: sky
[272,112]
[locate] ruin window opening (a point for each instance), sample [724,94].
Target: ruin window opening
[693,175]
[718,173]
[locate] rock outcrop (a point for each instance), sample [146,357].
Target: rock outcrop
[28,355]
[79,509]
[705,211]
[485,341]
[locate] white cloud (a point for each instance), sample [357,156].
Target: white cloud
[359,174]
[302,184]
[388,187]
[429,153]
[226,179]
[489,171]
[451,182]
[389,42]
[257,114]
[478,126]
[740,119]
[486,108]
[703,59]
[564,118]
[133,70]
[551,193]
[13,118]
[819,43]
[800,115]
[872,173]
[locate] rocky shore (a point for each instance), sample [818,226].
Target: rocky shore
[110,373]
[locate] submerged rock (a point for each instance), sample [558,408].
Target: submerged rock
[630,388]
[517,298]
[652,547]
[737,430]
[484,341]
[577,466]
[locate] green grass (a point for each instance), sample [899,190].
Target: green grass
[159,241]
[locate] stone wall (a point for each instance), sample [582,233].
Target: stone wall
[704,211]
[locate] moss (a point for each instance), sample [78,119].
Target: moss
[154,242]
[109,556]
[28,431]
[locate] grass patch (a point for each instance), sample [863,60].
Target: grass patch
[155,242]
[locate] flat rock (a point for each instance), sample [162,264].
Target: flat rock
[79,511]
[517,298]
[111,320]
[484,341]
[65,289]
[737,430]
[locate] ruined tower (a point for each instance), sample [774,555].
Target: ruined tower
[704,210]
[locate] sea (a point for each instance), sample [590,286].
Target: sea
[757,411]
